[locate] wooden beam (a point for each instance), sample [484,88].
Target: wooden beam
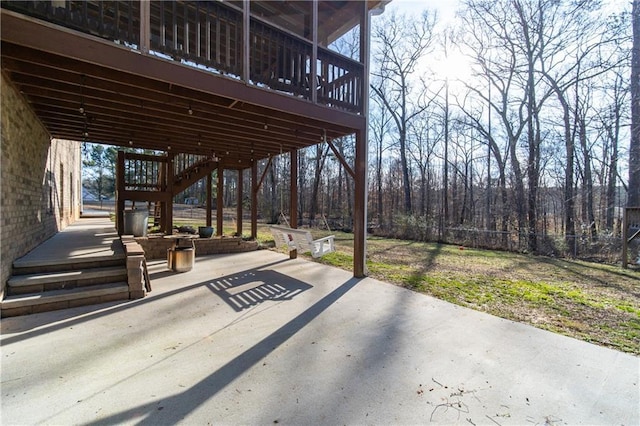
[341,159]
[144,157]
[176,122]
[145,196]
[101,85]
[264,174]
[22,30]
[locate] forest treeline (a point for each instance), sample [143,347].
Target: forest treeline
[508,127]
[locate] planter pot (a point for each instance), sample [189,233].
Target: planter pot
[205,231]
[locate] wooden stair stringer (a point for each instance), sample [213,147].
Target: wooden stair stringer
[192,175]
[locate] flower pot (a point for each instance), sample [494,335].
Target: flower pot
[205,231]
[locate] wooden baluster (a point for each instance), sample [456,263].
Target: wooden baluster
[198,30]
[185,19]
[218,29]
[130,34]
[163,27]
[174,26]
[208,33]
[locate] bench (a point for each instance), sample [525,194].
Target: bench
[301,240]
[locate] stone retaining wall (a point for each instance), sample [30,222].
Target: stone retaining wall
[155,247]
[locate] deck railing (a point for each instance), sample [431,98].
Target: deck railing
[209,34]
[114,20]
[204,33]
[143,172]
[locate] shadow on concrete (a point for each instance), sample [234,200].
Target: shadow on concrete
[192,398]
[40,324]
[249,288]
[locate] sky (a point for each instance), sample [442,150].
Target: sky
[457,66]
[446,8]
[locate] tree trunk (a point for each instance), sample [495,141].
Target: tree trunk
[633,199]
[445,183]
[321,155]
[379,186]
[405,172]
[588,180]
[614,132]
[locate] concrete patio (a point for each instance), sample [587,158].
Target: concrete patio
[256,338]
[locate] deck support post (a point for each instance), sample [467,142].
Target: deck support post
[360,206]
[361,160]
[119,193]
[293,209]
[219,200]
[254,199]
[209,200]
[239,204]
[168,214]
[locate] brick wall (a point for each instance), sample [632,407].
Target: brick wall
[39,180]
[155,247]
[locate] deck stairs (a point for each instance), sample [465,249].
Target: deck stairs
[192,173]
[189,170]
[57,285]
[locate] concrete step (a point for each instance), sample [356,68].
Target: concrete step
[26,267]
[63,299]
[35,283]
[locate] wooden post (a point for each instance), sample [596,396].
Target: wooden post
[145,26]
[219,200]
[293,209]
[625,237]
[313,80]
[360,206]
[209,201]
[254,199]
[361,160]
[119,193]
[246,40]
[239,204]
[169,190]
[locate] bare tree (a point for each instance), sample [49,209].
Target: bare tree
[491,29]
[423,138]
[611,117]
[379,123]
[402,41]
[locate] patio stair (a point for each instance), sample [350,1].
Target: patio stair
[48,287]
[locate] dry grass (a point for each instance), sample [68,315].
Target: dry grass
[589,301]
